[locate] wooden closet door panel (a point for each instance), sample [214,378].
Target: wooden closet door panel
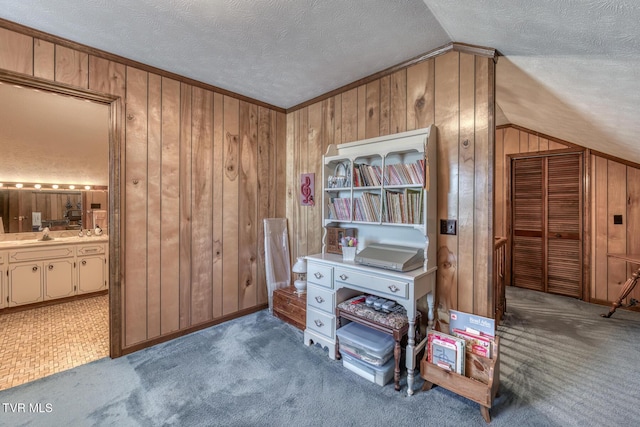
[564,244]
[528,224]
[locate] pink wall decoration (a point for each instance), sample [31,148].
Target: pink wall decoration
[307,189]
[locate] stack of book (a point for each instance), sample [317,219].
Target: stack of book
[403,206]
[405,174]
[366,175]
[367,207]
[339,208]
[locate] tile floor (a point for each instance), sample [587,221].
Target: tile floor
[42,341]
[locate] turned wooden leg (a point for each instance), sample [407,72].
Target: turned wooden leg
[626,290]
[397,353]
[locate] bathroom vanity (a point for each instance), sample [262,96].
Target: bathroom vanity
[33,271]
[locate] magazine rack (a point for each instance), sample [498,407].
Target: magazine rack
[480,382]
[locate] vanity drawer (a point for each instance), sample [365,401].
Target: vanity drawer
[377,284]
[93,249]
[36,254]
[320,322]
[320,275]
[321,298]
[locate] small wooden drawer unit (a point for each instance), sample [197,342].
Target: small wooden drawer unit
[290,307]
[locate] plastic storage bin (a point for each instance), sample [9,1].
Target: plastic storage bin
[365,344]
[380,375]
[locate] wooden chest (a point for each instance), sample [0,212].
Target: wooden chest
[290,307]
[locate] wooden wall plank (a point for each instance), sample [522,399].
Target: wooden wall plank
[291,184]
[447,119]
[201,206]
[302,165]
[247,206]
[266,190]
[316,137]
[170,208]
[230,191]
[135,263]
[534,143]
[543,144]
[282,157]
[484,171]
[398,113]
[633,221]
[554,145]
[465,66]
[420,93]
[599,206]
[372,110]
[72,67]
[350,115]
[107,76]
[385,105]
[337,106]
[500,190]
[218,172]
[16,52]
[616,233]
[362,112]
[185,204]
[154,221]
[44,59]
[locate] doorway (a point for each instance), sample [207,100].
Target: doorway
[547,222]
[110,302]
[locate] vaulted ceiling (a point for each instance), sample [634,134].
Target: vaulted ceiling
[568,68]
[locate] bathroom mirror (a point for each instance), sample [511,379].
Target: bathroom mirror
[26,210]
[51,137]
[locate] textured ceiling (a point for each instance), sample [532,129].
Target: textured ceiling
[571,68]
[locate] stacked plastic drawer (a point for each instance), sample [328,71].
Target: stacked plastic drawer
[367,352]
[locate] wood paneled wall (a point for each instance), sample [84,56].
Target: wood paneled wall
[615,190]
[200,170]
[454,91]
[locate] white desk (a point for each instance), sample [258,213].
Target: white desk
[331,281]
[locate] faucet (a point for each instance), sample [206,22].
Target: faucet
[45,234]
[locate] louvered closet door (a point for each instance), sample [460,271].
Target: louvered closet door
[564,237]
[547,218]
[528,223]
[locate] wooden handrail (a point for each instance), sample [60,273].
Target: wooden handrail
[499,263]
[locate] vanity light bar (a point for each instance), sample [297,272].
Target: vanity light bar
[38,186]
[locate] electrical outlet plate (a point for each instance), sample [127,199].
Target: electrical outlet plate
[448,226]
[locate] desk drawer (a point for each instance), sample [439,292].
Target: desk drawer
[320,275]
[322,323]
[321,298]
[379,285]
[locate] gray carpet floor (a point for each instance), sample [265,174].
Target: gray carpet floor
[561,365]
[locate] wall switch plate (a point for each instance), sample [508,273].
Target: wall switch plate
[448,226]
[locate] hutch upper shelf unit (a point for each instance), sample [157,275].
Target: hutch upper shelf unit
[384,187]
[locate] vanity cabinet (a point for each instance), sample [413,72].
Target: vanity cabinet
[40,273]
[92,265]
[34,273]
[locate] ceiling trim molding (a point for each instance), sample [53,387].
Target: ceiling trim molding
[571,144]
[453,46]
[28,31]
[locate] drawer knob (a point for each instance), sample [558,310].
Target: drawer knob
[50,266]
[34,269]
[84,262]
[319,323]
[318,275]
[344,276]
[394,288]
[319,299]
